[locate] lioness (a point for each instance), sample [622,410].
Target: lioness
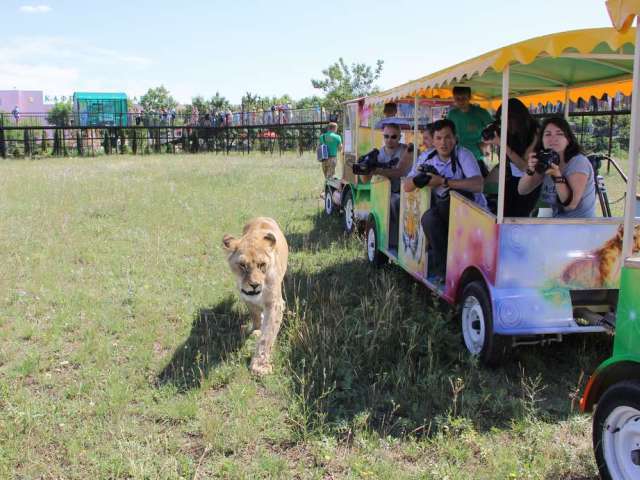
[259,261]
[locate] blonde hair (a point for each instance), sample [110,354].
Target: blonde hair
[332,126]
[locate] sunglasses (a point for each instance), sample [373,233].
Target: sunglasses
[392,137]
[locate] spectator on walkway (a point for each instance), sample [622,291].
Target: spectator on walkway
[16,113]
[194,115]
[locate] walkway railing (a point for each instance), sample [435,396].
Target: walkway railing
[167,118]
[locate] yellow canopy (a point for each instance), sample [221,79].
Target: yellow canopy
[577,63]
[622,13]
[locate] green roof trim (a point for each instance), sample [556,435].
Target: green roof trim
[99,96]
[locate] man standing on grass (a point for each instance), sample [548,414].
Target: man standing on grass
[333,141]
[469,121]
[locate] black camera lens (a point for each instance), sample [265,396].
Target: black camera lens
[546,157]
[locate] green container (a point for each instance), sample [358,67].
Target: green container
[95,109]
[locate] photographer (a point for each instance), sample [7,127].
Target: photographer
[448,167]
[392,161]
[521,138]
[565,174]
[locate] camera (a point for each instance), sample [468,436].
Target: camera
[366,163]
[490,131]
[546,157]
[428,169]
[425,172]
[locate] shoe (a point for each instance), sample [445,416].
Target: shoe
[435,279]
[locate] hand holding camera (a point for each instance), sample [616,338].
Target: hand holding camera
[426,173]
[366,163]
[542,161]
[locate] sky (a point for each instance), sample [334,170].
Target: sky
[199,47]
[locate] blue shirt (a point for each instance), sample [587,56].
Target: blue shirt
[467,167]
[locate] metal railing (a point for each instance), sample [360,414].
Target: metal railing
[267,117]
[26,141]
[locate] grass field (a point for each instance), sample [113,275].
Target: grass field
[122,356]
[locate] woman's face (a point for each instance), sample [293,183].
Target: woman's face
[554,138]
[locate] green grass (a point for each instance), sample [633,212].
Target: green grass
[122,353]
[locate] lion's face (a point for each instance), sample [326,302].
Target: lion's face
[250,259]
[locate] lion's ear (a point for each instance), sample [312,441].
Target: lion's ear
[229,243]
[620,231]
[271,238]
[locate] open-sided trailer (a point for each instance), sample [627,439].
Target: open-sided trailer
[516,280]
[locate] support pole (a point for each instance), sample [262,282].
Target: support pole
[632,183]
[415,130]
[504,122]
[567,100]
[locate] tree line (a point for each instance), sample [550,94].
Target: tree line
[338,82]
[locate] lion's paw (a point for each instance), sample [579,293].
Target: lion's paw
[256,333]
[261,368]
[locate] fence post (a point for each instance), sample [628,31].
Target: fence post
[3,146]
[79,143]
[27,144]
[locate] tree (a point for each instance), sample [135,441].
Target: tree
[60,114]
[200,103]
[309,102]
[343,82]
[219,103]
[157,98]
[250,102]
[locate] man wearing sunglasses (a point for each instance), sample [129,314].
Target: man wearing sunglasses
[394,162]
[448,167]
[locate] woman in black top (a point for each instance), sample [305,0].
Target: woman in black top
[521,138]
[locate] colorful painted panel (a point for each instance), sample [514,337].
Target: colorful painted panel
[627,340]
[380,197]
[473,241]
[547,256]
[412,251]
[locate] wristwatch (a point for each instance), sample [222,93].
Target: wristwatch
[445,184]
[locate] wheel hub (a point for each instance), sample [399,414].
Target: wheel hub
[473,325]
[348,214]
[621,442]
[371,244]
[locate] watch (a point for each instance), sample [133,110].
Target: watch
[445,184]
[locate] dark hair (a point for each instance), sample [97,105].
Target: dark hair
[395,126]
[429,128]
[522,127]
[390,109]
[444,123]
[462,91]
[573,148]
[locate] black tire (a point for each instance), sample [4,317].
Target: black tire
[476,321]
[374,255]
[616,432]
[329,206]
[349,222]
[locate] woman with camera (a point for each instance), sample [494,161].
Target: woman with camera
[521,139]
[563,172]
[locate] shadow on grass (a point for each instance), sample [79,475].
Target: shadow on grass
[215,335]
[325,230]
[373,348]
